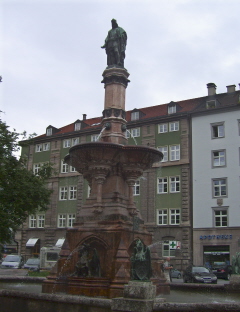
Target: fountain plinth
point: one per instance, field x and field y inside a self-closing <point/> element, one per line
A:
<point x="108" y="224"/>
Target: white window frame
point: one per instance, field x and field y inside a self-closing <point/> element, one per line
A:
<point x="66" y="143"/>
<point x="70" y="219"/>
<point x="220" y="217"/>
<point x="46" y="146"/>
<point x="164" y="150"/>
<point x="64" y="167"/>
<point x="136" y="188"/>
<point x="73" y="169"/>
<point x="38" y="148"/>
<point x="221" y="188"/>
<point x="134" y="116"/>
<point x="166" y="251"/>
<point x="162" y="185"/>
<point x="218" y="130"/>
<point x="173" y="126"/>
<point x="75" y="141"/>
<point x="175" y="216"/>
<point x="174" y="152"/>
<point x="72" y="193"/>
<point x="32" y="221"/>
<point x="218" y="160"/>
<point x="77" y="126"/>
<point x="62" y="220"/>
<point x="94" y="137"/>
<point x="41" y="221"/>
<point x="49" y="132"/>
<point x="63" y="193"/>
<point x="36" y="168"/>
<point x="135" y="132"/>
<point x="172" y="109"/>
<point x="162" y="216"/>
<point x="163" y="128"/>
<point x="174" y="184"/>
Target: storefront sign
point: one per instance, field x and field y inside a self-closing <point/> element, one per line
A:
<point x="228" y="236"/>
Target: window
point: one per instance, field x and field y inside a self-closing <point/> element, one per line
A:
<point x="41" y="221"/>
<point x="134" y="115"/>
<point x="220" y="187"/>
<point x="37" y="221"/>
<point x="174" y="216"/>
<point x="46" y="146"/>
<point x="32" y="221"/>
<point x="63" y="193"/>
<point x="136" y="188"/>
<point x="72" y="169"/>
<point x="36" y="168"/>
<point x="162" y="128"/>
<point x="70" y="220"/>
<point x="49" y="132"/>
<point x="94" y="138"/>
<point x="174" y="152"/>
<point x="172" y="109"/>
<point x="167" y="252"/>
<point x="75" y="141"/>
<point x="162" y="185"/>
<point x="135" y="132"/>
<point x="211" y="104"/>
<point x="62" y="220"/>
<point x="38" y="148"/>
<point x="77" y="126"/>
<point x="174" y="184"/>
<point x="64" y="167"/>
<point x="219" y="158"/>
<point x="164" y="150"/>
<point x="218" y="130"/>
<point x="174" y="126"/>
<point x="72" y="192"/>
<point x="66" y="220"/>
<point x="220" y="217"/>
<point x="162" y="216"/>
<point x="66" y="143"/>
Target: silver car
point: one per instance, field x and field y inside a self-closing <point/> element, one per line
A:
<point x="12" y="262"/>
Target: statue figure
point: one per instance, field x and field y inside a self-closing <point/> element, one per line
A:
<point x="115" y="45"/>
<point x="141" y="268"/>
<point x="88" y="263"/>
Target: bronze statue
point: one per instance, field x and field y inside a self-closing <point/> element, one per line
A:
<point x="115" y="45"/>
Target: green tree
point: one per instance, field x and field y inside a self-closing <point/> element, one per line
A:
<point x="21" y="192"/>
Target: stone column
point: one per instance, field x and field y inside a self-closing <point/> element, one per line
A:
<point x="115" y="81"/>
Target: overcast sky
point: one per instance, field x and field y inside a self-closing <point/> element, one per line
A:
<point x="51" y="61"/>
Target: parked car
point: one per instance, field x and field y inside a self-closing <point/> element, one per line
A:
<point x="175" y="273"/>
<point x="222" y="270"/>
<point x="198" y="274"/>
<point x="12" y="262"/>
<point x="32" y="264"/>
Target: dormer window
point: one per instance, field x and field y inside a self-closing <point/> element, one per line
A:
<point x="77" y="125"/>
<point x="135" y="115"/>
<point x="49" y="131"/>
<point x="211" y="104"/>
<point x="172" y="109"/>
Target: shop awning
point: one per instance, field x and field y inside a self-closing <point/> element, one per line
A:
<point x="60" y="242"/>
<point x="32" y="242"/>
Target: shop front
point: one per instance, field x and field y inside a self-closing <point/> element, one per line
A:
<point x="211" y="245"/>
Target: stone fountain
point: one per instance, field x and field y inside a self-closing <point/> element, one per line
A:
<point x="96" y="256"/>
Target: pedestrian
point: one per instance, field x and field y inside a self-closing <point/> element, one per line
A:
<point x="167" y="269"/>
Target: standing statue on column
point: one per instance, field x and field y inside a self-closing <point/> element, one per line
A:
<point x="115" y="45"/>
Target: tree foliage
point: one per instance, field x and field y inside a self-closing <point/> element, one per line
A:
<point x="21" y="192"/>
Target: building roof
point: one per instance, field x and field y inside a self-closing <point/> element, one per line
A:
<point x="190" y="106"/>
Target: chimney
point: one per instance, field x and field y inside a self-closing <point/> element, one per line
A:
<point x="84" y="116"/>
<point x="211" y="88"/>
<point x="231" y="88"/>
